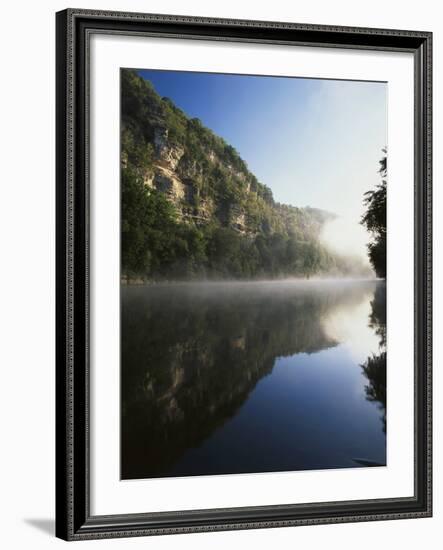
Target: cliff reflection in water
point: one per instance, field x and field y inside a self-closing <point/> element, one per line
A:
<point x="250" y="377"/>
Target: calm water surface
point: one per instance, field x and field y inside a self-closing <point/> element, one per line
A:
<point x="252" y="377"/>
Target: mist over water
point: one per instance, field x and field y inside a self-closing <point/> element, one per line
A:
<point x="237" y="377"/>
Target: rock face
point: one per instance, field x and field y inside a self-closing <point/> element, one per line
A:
<point x="181" y="179"/>
<point x="180" y="186"/>
<point x="165" y="153"/>
<point x="166" y="181"/>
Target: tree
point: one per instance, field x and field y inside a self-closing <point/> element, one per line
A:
<point x="149" y="228"/>
<point x="374" y="219"/>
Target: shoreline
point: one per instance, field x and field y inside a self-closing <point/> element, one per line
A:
<point x="124" y="282"/>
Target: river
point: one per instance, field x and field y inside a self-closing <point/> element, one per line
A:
<point x="223" y="378"/>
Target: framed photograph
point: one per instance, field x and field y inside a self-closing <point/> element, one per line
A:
<point x="243" y="274"/>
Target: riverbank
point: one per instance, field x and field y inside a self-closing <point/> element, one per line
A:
<point x="139" y="281"/>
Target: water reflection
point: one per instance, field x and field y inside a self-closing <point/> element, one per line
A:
<point x="248" y="377"/>
<point x="375" y="366"/>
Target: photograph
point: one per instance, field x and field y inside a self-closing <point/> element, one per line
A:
<point x="252" y="273"/>
<point x="243" y="321"/>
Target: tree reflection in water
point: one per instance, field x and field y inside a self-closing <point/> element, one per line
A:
<point x="375" y="366"/>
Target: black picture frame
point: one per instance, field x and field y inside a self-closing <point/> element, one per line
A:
<point x="74" y="28"/>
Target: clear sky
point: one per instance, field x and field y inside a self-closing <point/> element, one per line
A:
<point x="313" y="142"/>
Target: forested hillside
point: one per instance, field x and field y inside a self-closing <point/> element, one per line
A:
<point x="191" y="208"/>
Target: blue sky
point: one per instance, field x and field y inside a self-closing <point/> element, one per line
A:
<point x="313" y="142"/>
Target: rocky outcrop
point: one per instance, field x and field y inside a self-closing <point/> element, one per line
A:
<point x="166" y="153"/>
<point x="165" y="181"/>
<point x="179" y="180"/>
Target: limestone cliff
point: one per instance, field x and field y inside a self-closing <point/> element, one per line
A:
<point x="202" y="175"/>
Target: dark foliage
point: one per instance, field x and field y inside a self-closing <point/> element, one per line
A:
<point x="374" y="220"/>
<point x="375" y="366"/>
